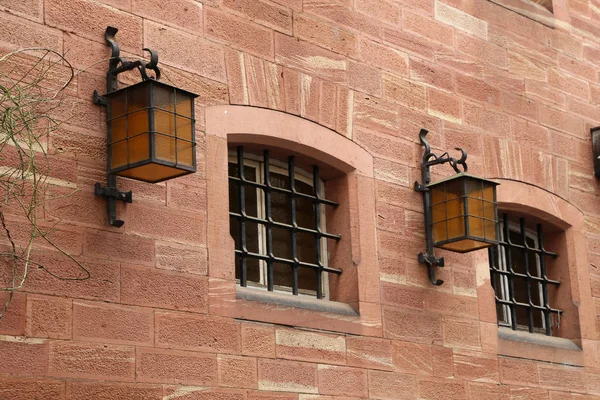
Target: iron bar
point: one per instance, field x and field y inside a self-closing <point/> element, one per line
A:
<point x="508" y="272"/>
<point x="269" y="258"/>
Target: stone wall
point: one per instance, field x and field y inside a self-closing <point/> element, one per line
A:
<point x="516" y="86"/>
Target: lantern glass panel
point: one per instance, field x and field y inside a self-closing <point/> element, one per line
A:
<point x="164" y="98"/>
<point x="438" y="194"/>
<point x="184" y="106"/>
<point x="138" y="97"/>
<point x="476" y="227"/>
<point x="139" y="148"/>
<point x="137" y="123"/>
<point x="118" y="154"/>
<point x="463" y="213"/>
<point x="440" y="231"/>
<point x="153" y="173"/>
<point x="454" y="189"/>
<point x="456" y="228"/>
<point x="183" y="128"/>
<point x="464" y="246"/>
<point x="165" y="148"/>
<point x="164" y="123"/>
<point x="151" y="135"/>
<point x="118" y="105"/>
<point x="185" y="153"/>
<point x="455" y="208"/>
<point x="118" y="127"/>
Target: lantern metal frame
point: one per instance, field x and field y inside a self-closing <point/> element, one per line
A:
<point x="116" y="66"/>
<point x="430" y="159"/>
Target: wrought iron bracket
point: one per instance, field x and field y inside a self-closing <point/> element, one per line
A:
<point x="112" y="194"/>
<point x="117" y="65"/>
<point x="429" y="160"/>
<point x="99" y="100"/>
<point x="431" y="261"/>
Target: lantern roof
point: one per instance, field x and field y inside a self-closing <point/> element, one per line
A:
<point x="463" y="175"/>
<point x="153" y="82"/>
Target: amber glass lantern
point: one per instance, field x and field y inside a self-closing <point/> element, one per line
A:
<point x="464" y="213"/>
<point x="151" y="134"/>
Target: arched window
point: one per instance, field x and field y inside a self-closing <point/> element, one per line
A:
<point x="536" y="281"/>
<point x="291" y="222"/>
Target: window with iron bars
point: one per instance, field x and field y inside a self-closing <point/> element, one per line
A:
<point x="518" y="267"/>
<point x="277" y="220"/>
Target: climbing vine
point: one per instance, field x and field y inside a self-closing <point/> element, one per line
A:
<point x="32" y="86"/>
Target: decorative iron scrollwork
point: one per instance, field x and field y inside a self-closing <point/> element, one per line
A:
<point x="430" y="159"/>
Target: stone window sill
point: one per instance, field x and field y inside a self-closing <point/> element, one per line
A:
<point x="286" y="300"/>
<point x="538" y="347"/>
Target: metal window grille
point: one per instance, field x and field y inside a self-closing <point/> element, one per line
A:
<point x="240" y="183"/>
<point x="520" y="281"/>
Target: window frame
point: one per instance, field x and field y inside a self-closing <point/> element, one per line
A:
<point x="276" y="166"/>
<point x="355" y="301"/>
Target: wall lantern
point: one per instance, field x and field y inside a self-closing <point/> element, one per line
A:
<point x="461" y="212"/>
<point x="596" y="150"/>
<point x="151" y="133"/>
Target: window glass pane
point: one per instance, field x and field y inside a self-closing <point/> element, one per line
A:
<point x="475" y="207"/>
<point x="437" y="194"/>
<point x="282" y="242"/>
<point x="456" y="228"/>
<point x="252" y="264"/>
<point x="165" y="148"/>
<point x="305" y="216"/>
<point x="164" y="123"/>
<point x="476" y="227"/>
<point x="252" y="228"/>
<point x="303" y="187"/>
<point x="307" y="279"/>
<point x="250" y="192"/>
<point x="185" y="153"/>
<point x="306" y="247"/>
<point x="282" y="275"/>
<point x="280" y="203"/>
<point x="438" y="212"/>
<point x="183" y="127"/>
